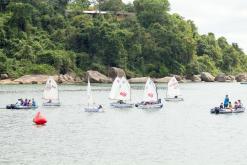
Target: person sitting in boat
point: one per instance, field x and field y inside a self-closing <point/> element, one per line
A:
<point x="120" y="102"/>
<point x="236" y="105"/>
<point x="240" y="105"/>
<point x="221" y="106"/>
<point x="29" y="103"/>
<point x="49" y="101"/>
<point x="33" y="103"/>
<point x="22" y="102"/>
<point x="226" y="101"/>
<point x="25" y="103"/>
<point x="100" y="107"/>
<point x="230" y="106"/>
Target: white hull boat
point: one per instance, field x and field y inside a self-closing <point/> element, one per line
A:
<point x="173" y="91"/>
<point x="120" y="91"/>
<point x="174" y="99"/>
<point x="121" y="105"/>
<point x="93" y="109"/>
<point x="51" y="104"/>
<point x="51" y="94"/>
<point x="149" y="106"/>
<point x="150" y="99"/>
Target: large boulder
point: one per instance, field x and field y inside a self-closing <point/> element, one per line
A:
<point x="221" y="77"/>
<point x="241" y="77"/>
<point x="163" y="80"/>
<point x="32" y="79"/>
<point x="97" y="77"/>
<point x="224" y="78"/>
<point x="4" y="76"/>
<point x="196" y="78"/>
<point x="207" y="77"/>
<point x="178" y="78"/>
<point x="138" y="80"/>
<point x="114" y="72"/>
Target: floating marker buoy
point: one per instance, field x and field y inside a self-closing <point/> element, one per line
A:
<point x="39" y="119"/>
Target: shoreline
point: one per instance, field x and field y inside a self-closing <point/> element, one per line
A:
<point x="99" y="78"/>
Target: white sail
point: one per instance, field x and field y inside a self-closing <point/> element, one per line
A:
<point x="89" y="94"/>
<point x="124" y="90"/>
<point x="115" y="88"/>
<point x="173" y="88"/>
<point x="51" y="90"/>
<point x="150" y="92"/>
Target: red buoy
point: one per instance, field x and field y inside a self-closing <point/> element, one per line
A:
<point x="39" y="119"/>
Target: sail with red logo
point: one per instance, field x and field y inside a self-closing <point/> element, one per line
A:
<point x="150" y="92"/>
<point x="150" y="99"/>
<point x="173" y="90"/>
<point x="121" y="91"/>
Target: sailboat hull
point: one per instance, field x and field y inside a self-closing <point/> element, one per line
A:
<point x="149" y="106"/>
<point x="51" y="104"/>
<point x="93" y="109"/>
<point x="123" y="105"/>
<point x="174" y="99"/>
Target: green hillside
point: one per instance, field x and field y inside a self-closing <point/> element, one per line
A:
<point x="56" y="37"/>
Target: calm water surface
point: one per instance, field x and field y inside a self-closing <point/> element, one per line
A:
<point x="182" y="133"/>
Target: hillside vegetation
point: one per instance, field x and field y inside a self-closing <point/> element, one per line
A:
<point x="55" y="37"/>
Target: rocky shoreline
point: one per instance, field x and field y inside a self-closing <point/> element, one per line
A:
<point x="97" y="77"/>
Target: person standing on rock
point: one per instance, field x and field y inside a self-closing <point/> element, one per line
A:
<point x="226" y="101"/>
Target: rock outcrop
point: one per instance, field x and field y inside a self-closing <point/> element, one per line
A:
<point x="207" y="77"/>
<point x="32" y="79"/>
<point x="97" y="77"/>
<point x="241" y="77"/>
<point x="138" y="80"/>
<point x="163" y="80"/>
<point x="4" y="76"/>
<point x="114" y="72"/>
<point x="224" y="78"/>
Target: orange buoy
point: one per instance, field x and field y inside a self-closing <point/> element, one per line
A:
<point x="39" y="119"/>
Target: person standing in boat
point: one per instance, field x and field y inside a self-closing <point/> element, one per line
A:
<point x="226" y="101"/>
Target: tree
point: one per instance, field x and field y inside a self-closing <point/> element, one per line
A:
<point x="151" y="11"/>
<point x="112" y="5"/>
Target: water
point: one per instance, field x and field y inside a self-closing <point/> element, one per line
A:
<point x="181" y="133"/>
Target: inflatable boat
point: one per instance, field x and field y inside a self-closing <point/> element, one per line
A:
<point x="218" y="110"/>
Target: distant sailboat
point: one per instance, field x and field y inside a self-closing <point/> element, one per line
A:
<point x="92" y="107"/>
<point x="120" y="91"/>
<point x="173" y="91"/>
<point x="50" y="94"/>
<point x="150" y="99"/>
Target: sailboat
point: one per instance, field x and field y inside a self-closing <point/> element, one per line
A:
<point x="92" y="107"/>
<point x="173" y="91"/>
<point x="50" y="94"/>
<point x="150" y="99"/>
<point x="120" y="91"/>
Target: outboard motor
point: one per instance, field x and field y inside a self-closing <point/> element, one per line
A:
<point x="217" y="110"/>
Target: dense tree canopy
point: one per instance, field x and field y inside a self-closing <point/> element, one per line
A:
<point x="54" y="36"/>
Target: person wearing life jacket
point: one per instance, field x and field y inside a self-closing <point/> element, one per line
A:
<point x="226" y="101"/>
<point x="33" y="103"/>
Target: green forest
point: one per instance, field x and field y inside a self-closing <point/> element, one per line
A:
<point x="143" y="38"/>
